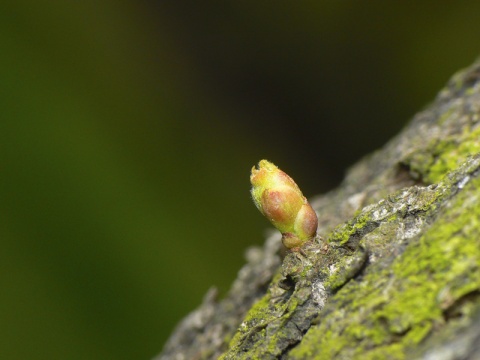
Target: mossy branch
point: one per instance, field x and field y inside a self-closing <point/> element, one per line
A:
<point x="395" y="272"/>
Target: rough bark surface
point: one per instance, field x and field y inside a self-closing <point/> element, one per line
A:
<point x="395" y="272"/>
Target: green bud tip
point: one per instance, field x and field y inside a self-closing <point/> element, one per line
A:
<point x="280" y="200"/>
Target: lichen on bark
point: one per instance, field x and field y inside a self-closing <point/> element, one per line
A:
<point x="396" y="271"/>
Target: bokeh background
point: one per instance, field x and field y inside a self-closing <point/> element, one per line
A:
<point x="128" y="130"/>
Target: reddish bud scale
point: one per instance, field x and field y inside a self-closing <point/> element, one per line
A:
<point x="279" y="198"/>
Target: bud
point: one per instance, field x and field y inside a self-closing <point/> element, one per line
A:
<point x="280" y="200"/>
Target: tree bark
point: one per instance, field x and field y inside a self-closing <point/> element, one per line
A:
<point x="395" y="272"/>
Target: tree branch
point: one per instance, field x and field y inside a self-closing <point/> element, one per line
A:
<point x="396" y="272"/>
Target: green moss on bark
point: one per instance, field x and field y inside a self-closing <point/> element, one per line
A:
<point x="395" y="308"/>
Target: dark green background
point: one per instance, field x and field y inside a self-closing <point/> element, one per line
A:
<point x="129" y="129"/>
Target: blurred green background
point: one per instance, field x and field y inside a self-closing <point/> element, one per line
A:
<point x="129" y="129"/>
